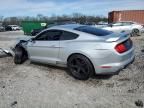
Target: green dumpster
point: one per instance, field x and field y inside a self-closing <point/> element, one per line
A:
<point x="28" y="26"/>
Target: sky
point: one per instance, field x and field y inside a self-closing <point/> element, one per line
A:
<point x="59" y="7"/>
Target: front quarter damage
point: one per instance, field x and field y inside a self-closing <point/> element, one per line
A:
<point x="19" y="42"/>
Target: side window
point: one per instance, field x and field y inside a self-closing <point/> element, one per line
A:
<point x="117" y="24"/>
<point x="68" y="36"/>
<point x="127" y="23"/>
<point x="41" y="36"/>
<point x="50" y="35"/>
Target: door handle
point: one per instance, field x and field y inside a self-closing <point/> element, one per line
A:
<point x="54" y="46"/>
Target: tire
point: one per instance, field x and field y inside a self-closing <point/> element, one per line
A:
<point x="135" y="32"/>
<point x="19" y="57"/>
<point x="80" y="67"/>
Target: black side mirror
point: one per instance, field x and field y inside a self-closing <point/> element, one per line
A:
<point x="32" y="40"/>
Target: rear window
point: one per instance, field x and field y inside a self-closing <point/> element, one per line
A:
<point x="94" y="31"/>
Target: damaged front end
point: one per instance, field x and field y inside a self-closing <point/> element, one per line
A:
<point x="11" y="51"/>
<point x="8" y="52"/>
<point x="21" y="42"/>
<point x="18" y="51"/>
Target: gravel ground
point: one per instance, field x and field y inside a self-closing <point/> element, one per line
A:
<point x="41" y="86"/>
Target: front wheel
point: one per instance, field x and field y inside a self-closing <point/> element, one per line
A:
<point x="80" y="67"/>
<point x="19" y="57"/>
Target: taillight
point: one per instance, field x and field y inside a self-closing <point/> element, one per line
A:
<point x="121" y="48"/>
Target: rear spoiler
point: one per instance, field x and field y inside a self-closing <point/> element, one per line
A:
<point x="117" y="38"/>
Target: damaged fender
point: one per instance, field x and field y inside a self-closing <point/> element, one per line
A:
<point x="8" y="52"/>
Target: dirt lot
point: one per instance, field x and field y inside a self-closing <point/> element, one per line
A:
<point x="37" y="86"/>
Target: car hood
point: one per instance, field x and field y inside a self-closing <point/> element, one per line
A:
<point x="25" y="38"/>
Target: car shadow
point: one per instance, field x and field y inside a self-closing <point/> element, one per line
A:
<point x="47" y="65"/>
<point x="103" y="76"/>
<point x="142" y="50"/>
<point x="4" y="55"/>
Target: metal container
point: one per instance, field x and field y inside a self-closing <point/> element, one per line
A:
<point x="126" y="15"/>
<point x="28" y="26"/>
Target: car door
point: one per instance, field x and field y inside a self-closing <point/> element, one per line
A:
<point x="45" y="47"/>
<point x="65" y="46"/>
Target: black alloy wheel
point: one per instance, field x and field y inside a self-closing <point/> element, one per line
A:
<point x="80" y="67"/>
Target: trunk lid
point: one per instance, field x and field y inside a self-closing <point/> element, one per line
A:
<point x="117" y="37"/>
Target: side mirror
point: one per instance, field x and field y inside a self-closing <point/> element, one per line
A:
<point x="32" y="40"/>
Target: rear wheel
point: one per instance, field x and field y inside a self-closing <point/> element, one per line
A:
<point x="80" y="67"/>
<point x="135" y="32"/>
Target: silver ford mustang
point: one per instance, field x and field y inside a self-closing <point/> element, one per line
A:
<point x="83" y="49"/>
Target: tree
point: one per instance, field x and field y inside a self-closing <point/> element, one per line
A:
<point x="75" y="17"/>
<point x="1" y="18"/>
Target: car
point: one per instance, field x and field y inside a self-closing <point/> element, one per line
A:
<point x="14" y="27"/>
<point x="8" y="28"/>
<point x="2" y="29"/>
<point x="100" y="24"/>
<point x="125" y="26"/>
<point x="84" y="50"/>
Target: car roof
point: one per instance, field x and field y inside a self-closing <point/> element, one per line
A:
<point x="67" y="26"/>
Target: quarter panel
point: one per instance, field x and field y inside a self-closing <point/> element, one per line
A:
<point x="91" y="49"/>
